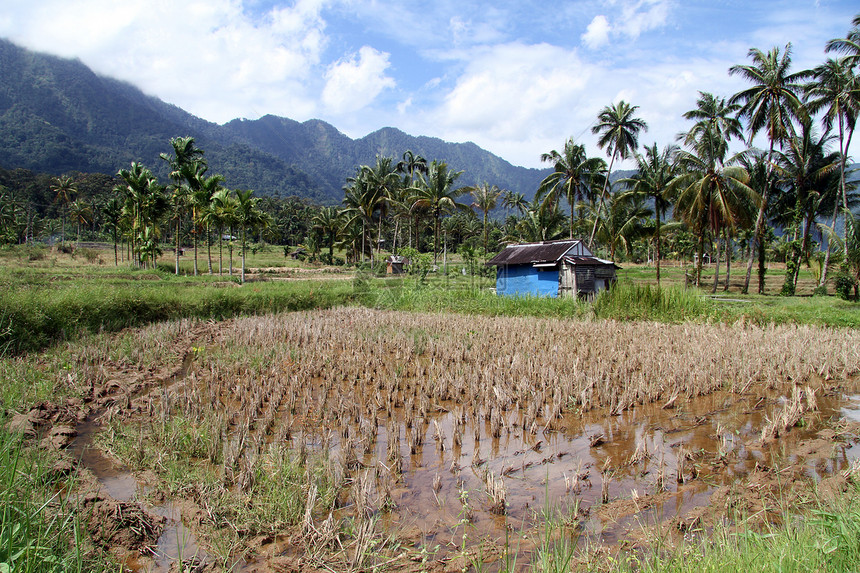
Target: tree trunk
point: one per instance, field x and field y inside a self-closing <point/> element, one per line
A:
<point x="600" y="202"/>
<point x="176" y="247"/>
<point x="716" y="261"/>
<point x="757" y="232"/>
<point x="244" y="248"/>
<point x="822" y="284"/>
<point x="728" y="261"/>
<point x="209" y="247"/>
<point x="657" y="215"/>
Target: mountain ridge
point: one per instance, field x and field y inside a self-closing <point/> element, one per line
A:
<point x="57" y="115"/>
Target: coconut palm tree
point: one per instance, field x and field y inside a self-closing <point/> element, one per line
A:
<point x="849" y="45"/>
<point x="655" y="171"/>
<point x="573" y="172"/>
<point x="623" y="222"/>
<point x="113" y="217"/>
<point x="249" y="218"/>
<point x="713" y="193"/>
<point x="771" y="104"/>
<point x="65" y="190"/>
<point x="619" y="135"/>
<point x="538" y="223"/>
<point x="436" y="193"/>
<point x="514" y="200"/>
<point x="361" y="201"/>
<point x="835" y="90"/>
<point x="806" y="170"/>
<point x="328" y="222"/>
<point x="81" y="213"/>
<point x="713" y="114"/>
<point x="485" y="197"/>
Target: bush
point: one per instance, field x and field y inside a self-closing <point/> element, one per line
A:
<point x="844" y="284"/>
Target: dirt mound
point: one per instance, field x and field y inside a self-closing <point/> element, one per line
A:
<point x="124" y="525"/>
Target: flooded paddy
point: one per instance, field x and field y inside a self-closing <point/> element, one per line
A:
<point x="367" y="433"/>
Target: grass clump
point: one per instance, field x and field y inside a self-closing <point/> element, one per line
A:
<point x="629" y="301"/>
<point x="40" y="530"/>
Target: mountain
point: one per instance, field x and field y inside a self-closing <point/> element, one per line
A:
<point x="57" y="115"/>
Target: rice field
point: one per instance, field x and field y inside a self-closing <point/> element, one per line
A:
<point x="368" y="433"/>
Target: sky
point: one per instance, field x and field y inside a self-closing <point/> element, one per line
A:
<point x="516" y="77"/>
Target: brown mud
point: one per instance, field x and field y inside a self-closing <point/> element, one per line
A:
<point x="475" y="485"/>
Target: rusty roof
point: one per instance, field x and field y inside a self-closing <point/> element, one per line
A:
<point x="532" y="253"/>
<point x="589" y="261"/>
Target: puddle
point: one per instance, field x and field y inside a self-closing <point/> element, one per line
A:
<point x="176" y="541"/>
<point x="562" y="468"/>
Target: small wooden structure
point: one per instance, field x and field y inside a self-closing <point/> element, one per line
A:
<point x="396" y="265"/>
<point x="551" y="268"/>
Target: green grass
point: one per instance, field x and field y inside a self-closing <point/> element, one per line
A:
<point x="40" y="529"/>
<point x="38" y="309"/>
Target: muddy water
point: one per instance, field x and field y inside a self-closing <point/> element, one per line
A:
<point x="560" y="468"/>
<point x="176" y="541"/>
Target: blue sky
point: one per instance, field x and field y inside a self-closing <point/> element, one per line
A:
<point x="516" y="77"/>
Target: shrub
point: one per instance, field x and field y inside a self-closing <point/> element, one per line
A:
<point x="844" y="284"/>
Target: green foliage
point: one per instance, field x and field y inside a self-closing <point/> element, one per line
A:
<point x="628" y="301"/>
<point x="844" y="285"/>
<point x="38" y="527"/>
<point x="37" y="313"/>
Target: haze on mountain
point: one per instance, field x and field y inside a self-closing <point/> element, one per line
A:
<point x="57" y="115"/>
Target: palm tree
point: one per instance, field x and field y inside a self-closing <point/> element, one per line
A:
<point x="222" y="214"/>
<point x="539" y="223"/>
<point x="806" y="170"/>
<point x="436" y="192"/>
<point x="619" y="134"/>
<point x="178" y="204"/>
<point x="654" y="174"/>
<point x="81" y="213"/>
<point x="714" y="115"/>
<point x="771" y="104"/>
<point x="328" y="222"/>
<point x="65" y="189"/>
<point x="835" y="89"/>
<point x="249" y="218"/>
<point x="712" y="192"/>
<point x="485" y="198"/>
<point x="113" y="217"/>
<point x="382" y="182"/>
<point x="411" y="164"/>
<point x="185" y="164"/>
<point x="849" y="45"/>
<point x="572" y="174"/>
<point x="623" y="222"/>
<point x="514" y="200"/>
<point x="145" y="204"/>
<point x="201" y="202"/>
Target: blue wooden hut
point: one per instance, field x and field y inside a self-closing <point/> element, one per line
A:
<point x="551" y="268"/>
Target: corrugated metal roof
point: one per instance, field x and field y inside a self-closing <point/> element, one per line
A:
<point x="530" y="253"/>
<point x="589" y="261"/>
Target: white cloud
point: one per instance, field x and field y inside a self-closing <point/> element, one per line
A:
<point x="209" y="57"/>
<point x="642" y="16"/>
<point x="354" y="83"/>
<point x="597" y="33"/>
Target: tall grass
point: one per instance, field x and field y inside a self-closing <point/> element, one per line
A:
<point x="626" y="301"/>
<point x="40" y="530"/>
<point x="34" y="315"/>
<point x="629" y="301"/>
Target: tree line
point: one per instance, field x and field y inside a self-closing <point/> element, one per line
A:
<point x="691" y="198"/>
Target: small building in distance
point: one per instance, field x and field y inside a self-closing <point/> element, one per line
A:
<point x="551" y="268"/>
<point x="396" y="265"/>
